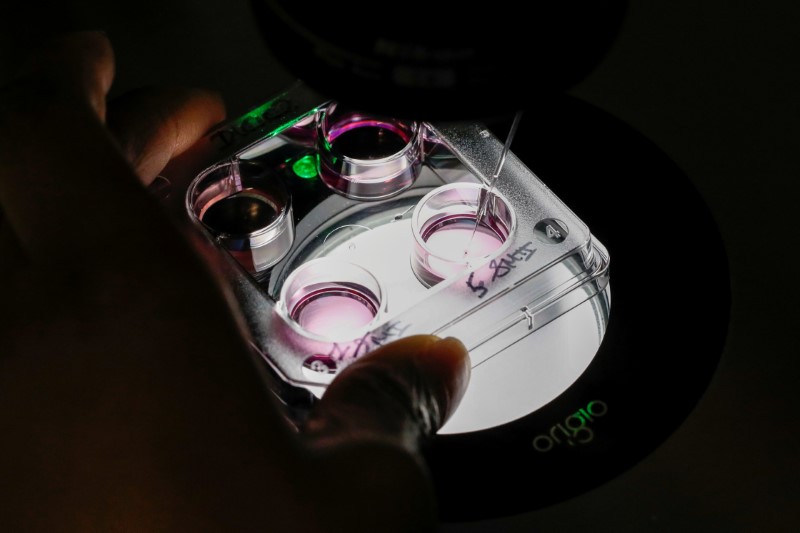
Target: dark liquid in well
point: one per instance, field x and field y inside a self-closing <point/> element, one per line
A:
<point x="368" y="142"/>
<point x="240" y="214"/>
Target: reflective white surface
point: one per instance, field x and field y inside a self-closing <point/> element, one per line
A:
<point x="531" y="373"/>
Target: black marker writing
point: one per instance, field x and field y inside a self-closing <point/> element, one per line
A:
<point x="479" y="288"/>
<point x="501" y="267"/>
<point x="367" y="343"/>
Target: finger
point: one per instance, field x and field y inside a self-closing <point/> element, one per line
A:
<point x="154" y="125"/>
<point x="66" y="190"/>
<point x="399" y="394"/>
<point x="79" y="65"/>
<point x="368" y="426"/>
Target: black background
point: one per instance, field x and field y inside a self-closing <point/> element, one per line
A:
<point x="714" y="84"/>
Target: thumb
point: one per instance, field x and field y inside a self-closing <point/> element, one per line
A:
<point x="400" y="393"/>
<point x="365" y="434"/>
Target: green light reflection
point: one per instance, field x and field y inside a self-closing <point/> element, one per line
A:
<point x="305" y="167"/>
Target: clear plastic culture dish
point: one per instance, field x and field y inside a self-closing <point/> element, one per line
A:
<point x="344" y="231"/>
